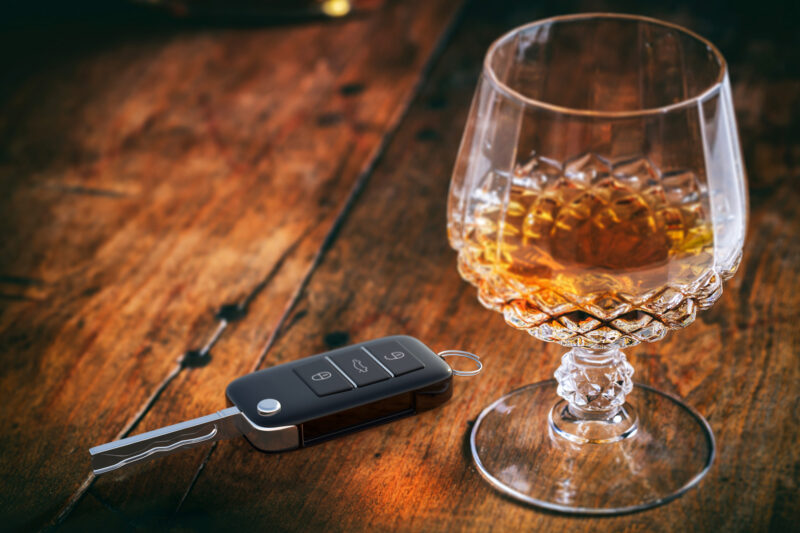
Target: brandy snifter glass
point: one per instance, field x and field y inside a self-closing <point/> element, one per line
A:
<point x="598" y="201"/>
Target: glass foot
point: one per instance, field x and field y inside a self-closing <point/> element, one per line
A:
<point x="528" y="446"/>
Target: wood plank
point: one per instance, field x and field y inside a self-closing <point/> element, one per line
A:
<point x="150" y="181"/>
<point x="391" y="271"/>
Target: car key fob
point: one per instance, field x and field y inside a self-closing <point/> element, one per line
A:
<point x="304" y="402"/>
<point x="330" y="394"/>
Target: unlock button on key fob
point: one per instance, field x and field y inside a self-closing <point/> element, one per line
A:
<point x="322" y="377"/>
<point x="395" y="357"/>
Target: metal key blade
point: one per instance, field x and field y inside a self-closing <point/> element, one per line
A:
<point x="159" y="442"/>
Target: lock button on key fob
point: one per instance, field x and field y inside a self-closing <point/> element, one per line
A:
<point x="322" y="377"/>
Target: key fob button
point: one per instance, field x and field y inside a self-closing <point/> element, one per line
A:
<point x="360" y="367"/>
<point x="395" y="357"/>
<point x="322" y="377"/>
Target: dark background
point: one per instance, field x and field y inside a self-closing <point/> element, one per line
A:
<point x="760" y="39"/>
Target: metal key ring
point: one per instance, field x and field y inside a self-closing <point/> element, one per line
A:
<point x="468" y="355"/>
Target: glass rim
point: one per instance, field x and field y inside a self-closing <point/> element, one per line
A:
<point x="488" y="71"/>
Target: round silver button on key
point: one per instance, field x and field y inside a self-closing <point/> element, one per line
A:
<point x="268" y="407"/>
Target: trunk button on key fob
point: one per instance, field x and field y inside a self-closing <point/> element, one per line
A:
<point x="322" y="377"/>
<point x="360" y="367"/>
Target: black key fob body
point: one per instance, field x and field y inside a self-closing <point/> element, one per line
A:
<point x="324" y="396"/>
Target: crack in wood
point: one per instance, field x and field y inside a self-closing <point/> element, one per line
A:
<point x="231" y="312"/>
<point x="20" y="280"/>
<point x="80" y="189"/>
<point x="19" y="297"/>
<point x="71" y="503"/>
<point x="107" y="505"/>
<point x="195" y="477"/>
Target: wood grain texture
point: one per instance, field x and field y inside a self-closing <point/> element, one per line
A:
<point x="150" y="183"/>
<point x="126" y="244"/>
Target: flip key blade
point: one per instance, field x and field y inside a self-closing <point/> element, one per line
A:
<point x="223" y="424"/>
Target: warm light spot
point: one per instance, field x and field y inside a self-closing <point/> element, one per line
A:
<point x="336" y="8"/>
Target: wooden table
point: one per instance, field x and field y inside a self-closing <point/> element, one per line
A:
<point x="291" y="179"/>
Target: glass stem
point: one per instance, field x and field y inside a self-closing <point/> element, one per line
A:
<point x="594" y="382"/>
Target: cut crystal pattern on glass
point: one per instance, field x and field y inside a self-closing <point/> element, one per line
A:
<point x="682" y="315"/>
<point x="666" y="299"/>
<point x="708" y="291"/>
<point x="587" y="168"/>
<point x="552" y="303"/>
<point x="579" y="322"/>
<point x="603" y="336"/>
<point x="592" y="383"/>
<point x="652" y="332"/>
<point x="536" y="174"/>
<point x="637" y="173"/>
<point x="680" y="187"/>
<point x="632" y="321"/>
<point x="524" y="314"/>
<point x="640" y="239"/>
<point x="607" y="307"/>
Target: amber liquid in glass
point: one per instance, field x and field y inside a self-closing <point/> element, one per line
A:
<point x="594" y="258"/>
